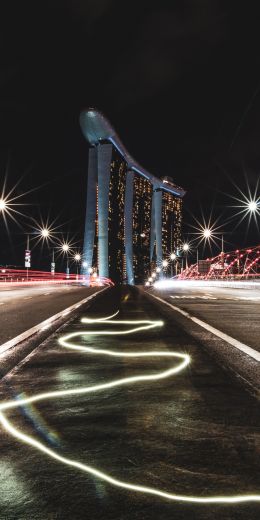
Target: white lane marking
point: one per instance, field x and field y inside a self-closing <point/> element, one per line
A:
<point x="232" y="341"/>
<point x="42" y="326"/>
<point x="65" y="341"/>
<point x="177" y="297"/>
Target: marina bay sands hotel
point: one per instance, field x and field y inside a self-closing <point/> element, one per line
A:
<point x="133" y="219"/>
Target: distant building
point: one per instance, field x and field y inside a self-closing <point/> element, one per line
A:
<point x="133" y="218"/>
<point x="142" y="206"/>
<point x="171" y="222"/>
<point x="116" y="217"/>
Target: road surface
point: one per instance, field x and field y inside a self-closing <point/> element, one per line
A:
<point x="24" y="307"/>
<point x="195" y="433"/>
<point x="235" y="311"/>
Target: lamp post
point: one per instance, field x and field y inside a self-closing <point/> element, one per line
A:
<point x="45" y="234"/>
<point x="165" y="265"/>
<point x="173" y="258"/>
<point x="186" y="248"/>
<point x="65" y="249"/>
<point x="77" y="259"/>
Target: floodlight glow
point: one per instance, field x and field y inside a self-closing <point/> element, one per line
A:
<point x="77" y="257"/>
<point x="84" y="264"/>
<point x="45" y="232"/>
<point x="9" y="203"/>
<point x="65" y="247"/>
<point x="252" y="206"/>
<point x="173" y="256"/>
<point x="66" y="341"/>
<point x="186" y="247"/>
<point x="3" y="204"/>
<point x="154" y="275"/>
<point x="207" y="233"/>
<point x="164" y="263"/>
<point x="90" y="270"/>
<point x="247" y="204"/>
<point x="150" y="279"/>
<point x="158" y="269"/>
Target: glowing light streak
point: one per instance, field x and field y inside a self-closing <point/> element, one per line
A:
<point x="66" y="342"/>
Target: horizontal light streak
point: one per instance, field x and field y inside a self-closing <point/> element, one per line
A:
<point x="171" y="284"/>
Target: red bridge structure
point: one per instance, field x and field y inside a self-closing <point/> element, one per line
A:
<point x="241" y="264"/>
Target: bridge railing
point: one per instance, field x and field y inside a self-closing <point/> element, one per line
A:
<point x="241" y="264"/>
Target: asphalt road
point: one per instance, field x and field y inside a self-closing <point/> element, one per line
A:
<point x="232" y="312"/>
<point x="236" y="312"/>
<point x="24" y="307"/>
<point x="195" y="433"/>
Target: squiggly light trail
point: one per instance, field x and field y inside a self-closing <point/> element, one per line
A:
<point x="65" y="341"/>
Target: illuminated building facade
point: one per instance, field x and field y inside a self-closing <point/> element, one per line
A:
<point x="171" y="223"/>
<point x="132" y="217"/>
<point x="142" y="204"/>
<point x="116" y="218"/>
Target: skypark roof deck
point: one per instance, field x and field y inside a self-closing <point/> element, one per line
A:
<point x="96" y="128"/>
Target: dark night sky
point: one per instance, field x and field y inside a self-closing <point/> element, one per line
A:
<point x="179" y="80"/>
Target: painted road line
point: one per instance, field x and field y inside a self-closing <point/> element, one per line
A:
<point x="193" y="297"/>
<point x="45" y="324"/>
<point x="232" y="341"/>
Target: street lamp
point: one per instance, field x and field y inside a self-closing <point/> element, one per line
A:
<point x="164" y="263"/>
<point x="186" y="248"/>
<point x="207" y="233"/>
<point x="77" y="258"/>
<point x="45" y="233"/>
<point x="154" y="275"/>
<point x="158" y="269"/>
<point x="65" y="248"/>
<point x="173" y="257"/>
<point x="150" y="279"/>
<point x="3" y="205"/>
<point x="252" y="206"/>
